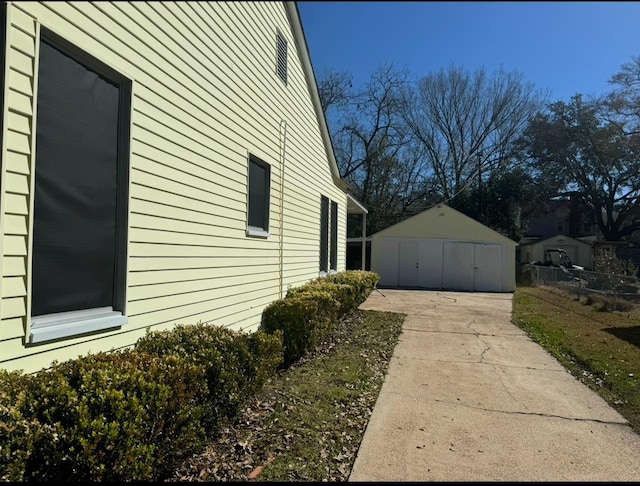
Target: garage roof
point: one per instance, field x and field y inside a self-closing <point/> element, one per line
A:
<point x="443" y="221"/>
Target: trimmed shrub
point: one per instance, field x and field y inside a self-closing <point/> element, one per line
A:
<point x="327" y="296"/>
<point x="307" y="313"/>
<point x="267" y="351"/>
<point x="300" y="322"/>
<point x="349" y="288"/>
<point x="364" y="283"/>
<point x="118" y="416"/>
<point x="20" y="434"/>
<point x="236" y="364"/>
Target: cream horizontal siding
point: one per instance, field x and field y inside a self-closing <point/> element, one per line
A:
<point x="240" y="316"/>
<point x="13" y="266"/>
<point x="10" y="329"/>
<point x="16" y="163"/>
<point x="219" y="297"/>
<point x="146" y="263"/>
<point x="146" y="278"/>
<point x="149" y="186"/>
<point x="21" y="63"/>
<point x="16" y="181"/>
<point x="205" y="96"/>
<point x="14" y="245"/>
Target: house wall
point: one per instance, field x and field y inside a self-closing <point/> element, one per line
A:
<point x="560" y="217"/>
<point x="205" y="95"/>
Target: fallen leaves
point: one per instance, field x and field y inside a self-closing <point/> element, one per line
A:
<point x="280" y="423"/>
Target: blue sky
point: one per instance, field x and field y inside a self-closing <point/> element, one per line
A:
<point x="565" y="47"/>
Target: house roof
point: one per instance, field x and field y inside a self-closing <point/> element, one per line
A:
<point x="354" y="206"/>
<point x="303" y="51"/>
<point x="443" y="221"/>
<point x="557" y="235"/>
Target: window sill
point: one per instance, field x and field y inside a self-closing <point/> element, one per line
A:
<point x="73" y="323"/>
<point x="257" y="232"/>
<point x="324" y="273"/>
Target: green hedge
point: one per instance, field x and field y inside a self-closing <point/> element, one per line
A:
<point x="105" y="417"/>
<point x="309" y="311"/>
<point x="236" y="364"/>
<point x="135" y="415"/>
<point x="363" y="283"/>
<point x="297" y="319"/>
<point x="20" y="433"/>
<point x="131" y="415"/>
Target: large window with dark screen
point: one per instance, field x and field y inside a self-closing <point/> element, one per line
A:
<point x="81" y="182"/>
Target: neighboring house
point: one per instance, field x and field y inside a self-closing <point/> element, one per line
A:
<point x="441" y="248"/>
<point x="559" y="216"/>
<point x="162" y="163"/>
<point x="560" y="223"/>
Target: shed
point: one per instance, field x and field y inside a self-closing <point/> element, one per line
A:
<point x="579" y="251"/>
<point x="441" y="248"/>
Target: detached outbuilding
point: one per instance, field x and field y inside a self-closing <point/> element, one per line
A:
<point x="441" y="248"/>
<point x="580" y="252"/>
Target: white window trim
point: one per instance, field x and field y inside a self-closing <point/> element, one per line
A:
<point x="72" y="323"/>
<point x="257" y="232"/>
<point x="75" y="323"/>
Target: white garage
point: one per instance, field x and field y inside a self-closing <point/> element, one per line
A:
<point x="441" y="248"/>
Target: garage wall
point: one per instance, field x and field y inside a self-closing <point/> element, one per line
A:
<point x="443" y="222"/>
<point x="441" y="248"/>
<point x="443" y="264"/>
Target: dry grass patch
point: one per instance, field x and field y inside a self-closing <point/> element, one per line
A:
<point x="308" y="421"/>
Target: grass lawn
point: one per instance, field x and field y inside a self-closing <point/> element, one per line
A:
<point x="598" y="346"/>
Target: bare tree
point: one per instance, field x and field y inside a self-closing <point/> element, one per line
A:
<point x="334" y="88"/>
<point x="468" y="124"/>
<point x="373" y="147"/>
<point x="405" y="146"/>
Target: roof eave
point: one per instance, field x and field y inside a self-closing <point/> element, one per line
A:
<point x="305" y="59"/>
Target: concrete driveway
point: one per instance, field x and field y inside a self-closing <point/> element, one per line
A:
<point x="469" y="397"/>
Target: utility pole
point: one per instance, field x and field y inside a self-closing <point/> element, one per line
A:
<point x="480" y="213"/>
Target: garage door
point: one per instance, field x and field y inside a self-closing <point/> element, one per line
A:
<point x="458" y="266"/>
<point x="441" y="264"/>
<point x="408" y="263"/>
<point x="430" y="264"/>
<point x="472" y="266"/>
<point x="488" y="268"/>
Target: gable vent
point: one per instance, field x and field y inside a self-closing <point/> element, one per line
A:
<point x="281" y="54"/>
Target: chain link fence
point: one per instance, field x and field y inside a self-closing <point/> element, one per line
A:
<point x="583" y="282"/>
